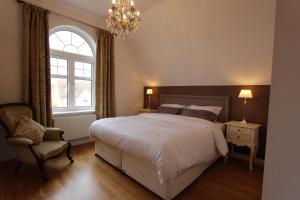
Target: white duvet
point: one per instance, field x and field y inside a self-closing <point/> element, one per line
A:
<point x="173" y="143"/>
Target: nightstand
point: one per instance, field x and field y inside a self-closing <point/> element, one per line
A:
<point x="242" y="134"/>
<point x="146" y="110"/>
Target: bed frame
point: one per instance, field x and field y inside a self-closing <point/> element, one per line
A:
<point x="144" y="172"/>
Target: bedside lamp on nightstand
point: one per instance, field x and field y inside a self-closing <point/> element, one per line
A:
<point x="149" y="92"/>
<point x="246" y="94"/>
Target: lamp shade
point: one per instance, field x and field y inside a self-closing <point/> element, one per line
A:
<point x="247" y="94"/>
<point x="149" y="91"/>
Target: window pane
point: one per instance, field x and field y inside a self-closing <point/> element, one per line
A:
<point x="83" y="69"/>
<point x="87" y="70"/>
<point x="87" y="74"/>
<point x="78" y="65"/>
<point x="83" y="93"/>
<point x="53" y="70"/>
<point x="62" y="71"/>
<point x="64" y="36"/>
<point x="62" y="62"/>
<point x="59" y="92"/>
<point x="87" y="67"/>
<point x="78" y="73"/>
<point x="78" y="69"/>
<point x="77" y="40"/>
<point x="53" y="62"/>
<point x="55" y="43"/>
<point x="62" y="67"/>
<point x="85" y="50"/>
<point x="71" y="49"/>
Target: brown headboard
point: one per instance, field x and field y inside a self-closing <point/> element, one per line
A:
<point x="199" y="101"/>
<point x="257" y="108"/>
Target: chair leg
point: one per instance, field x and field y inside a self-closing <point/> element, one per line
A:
<point x="17" y="167"/>
<point x="69" y="156"/>
<point x="41" y="166"/>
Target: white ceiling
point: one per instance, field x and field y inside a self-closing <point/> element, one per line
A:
<point x="100" y="7"/>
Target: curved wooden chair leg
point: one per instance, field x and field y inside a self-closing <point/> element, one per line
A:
<point x="17" y="167"/>
<point x="69" y="155"/>
<point x="41" y="166"/>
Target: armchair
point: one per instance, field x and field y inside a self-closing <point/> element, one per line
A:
<point x="53" y="144"/>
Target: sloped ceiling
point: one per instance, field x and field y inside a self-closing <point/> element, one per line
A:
<point x="100" y="7"/>
<point x="205" y="42"/>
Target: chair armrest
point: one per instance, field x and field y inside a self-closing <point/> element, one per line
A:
<point x="19" y="141"/>
<point x="54" y="134"/>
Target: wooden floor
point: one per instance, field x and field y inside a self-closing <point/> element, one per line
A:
<point x="92" y="178"/>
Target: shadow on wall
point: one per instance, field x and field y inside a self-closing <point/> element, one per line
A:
<point x="6" y="152"/>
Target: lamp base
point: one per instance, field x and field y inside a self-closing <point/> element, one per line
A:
<point x="244" y="121"/>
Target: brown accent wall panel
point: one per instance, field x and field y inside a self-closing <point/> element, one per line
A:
<point x="257" y="108"/>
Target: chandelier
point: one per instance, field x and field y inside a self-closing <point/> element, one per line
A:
<point x="123" y="19"/>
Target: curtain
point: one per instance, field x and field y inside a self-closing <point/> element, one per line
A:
<point x="105" y="86"/>
<point x="36" y="63"/>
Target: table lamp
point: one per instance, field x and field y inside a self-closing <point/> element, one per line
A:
<point x="149" y="92"/>
<point x="246" y="94"/>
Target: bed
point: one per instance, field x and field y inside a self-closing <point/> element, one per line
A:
<point x="163" y="152"/>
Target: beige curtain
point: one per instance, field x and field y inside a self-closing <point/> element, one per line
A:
<point x="36" y="63"/>
<point x="105" y="86"/>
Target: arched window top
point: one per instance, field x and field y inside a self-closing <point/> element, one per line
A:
<point x="69" y="40"/>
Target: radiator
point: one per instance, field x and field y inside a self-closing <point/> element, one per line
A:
<point x="75" y="127"/>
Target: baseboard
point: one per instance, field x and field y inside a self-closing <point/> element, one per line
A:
<point x="80" y="141"/>
<point x="246" y="158"/>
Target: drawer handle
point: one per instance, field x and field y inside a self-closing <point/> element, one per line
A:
<point x="238" y="137"/>
<point x="239" y="130"/>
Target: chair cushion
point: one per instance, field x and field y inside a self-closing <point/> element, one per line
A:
<point x="50" y="148"/>
<point x="11" y="115"/>
<point x="30" y="129"/>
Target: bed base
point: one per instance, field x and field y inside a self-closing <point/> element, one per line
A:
<point x="109" y="154"/>
<point x="145" y="173"/>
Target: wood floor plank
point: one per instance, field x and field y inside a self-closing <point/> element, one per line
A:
<point x="90" y="178"/>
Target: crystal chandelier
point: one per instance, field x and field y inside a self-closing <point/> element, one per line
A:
<point x="123" y="19"/>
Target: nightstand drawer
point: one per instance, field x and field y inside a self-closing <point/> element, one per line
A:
<point x="241" y="134"/>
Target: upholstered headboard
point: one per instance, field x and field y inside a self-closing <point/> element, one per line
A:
<point x="200" y="101"/>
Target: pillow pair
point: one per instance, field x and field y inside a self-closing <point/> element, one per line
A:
<point x="210" y="113"/>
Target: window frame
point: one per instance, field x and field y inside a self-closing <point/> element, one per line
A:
<point x="71" y="59"/>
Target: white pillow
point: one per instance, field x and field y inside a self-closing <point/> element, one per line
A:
<point x="173" y="105"/>
<point x="214" y="109"/>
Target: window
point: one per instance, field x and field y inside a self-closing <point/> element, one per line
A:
<point x="72" y="70"/>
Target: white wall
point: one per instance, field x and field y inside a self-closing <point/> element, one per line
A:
<point x="281" y="174"/>
<point x="10" y="61"/>
<point x="10" y="51"/>
<point x="129" y="87"/>
<point x="205" y="42"/>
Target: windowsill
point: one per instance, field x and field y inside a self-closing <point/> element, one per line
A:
<point x="73" y="113"/>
